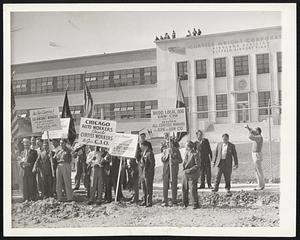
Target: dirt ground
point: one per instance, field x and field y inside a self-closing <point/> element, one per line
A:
<point x="248" y="209"/>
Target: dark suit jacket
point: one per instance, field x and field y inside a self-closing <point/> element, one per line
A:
<point x="231" y="155"/>
<point x="31" y="158"/>
<point x="204" y="151"/>
<point x="148" y="164"/>
<point x="191" y="165"/>
<point x="175" y="159"/>
<point x="138" y="154"/>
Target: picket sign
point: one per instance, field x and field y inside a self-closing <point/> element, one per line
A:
<point x="45" y="119"/>
<point x="169" y="120"/>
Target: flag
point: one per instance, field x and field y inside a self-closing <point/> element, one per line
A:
<point x="14" y="118"/>
<point x="88" y="106"/>
<point x="66" y="113"/>
<point x="180" y="104"/>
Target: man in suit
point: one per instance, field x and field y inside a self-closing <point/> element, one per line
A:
<point x="165" y="143"/>
<point x="225" y="154"/>
<point x="148" y="165"/>
<point x="28" y="158"/>
<point x="170" y="155"/>
<point x="191" y="167"/>
<point x="202" y="147"/>
<point x="139" y="154"/>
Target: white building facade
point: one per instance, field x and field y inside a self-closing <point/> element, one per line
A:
<point x="226" y="78"/>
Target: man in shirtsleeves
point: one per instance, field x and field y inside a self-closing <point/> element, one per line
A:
<point x="43" y="164"/>
<point x="257" y="157"/>
<point x="64" y="171"/>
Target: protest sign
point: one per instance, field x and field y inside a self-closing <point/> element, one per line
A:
<point x="45" y="119"/>
<point x="96" y="132"/>
<point x="124" y="145"/>
<point x="168" y="120"/>
<point x="62" y="133"/>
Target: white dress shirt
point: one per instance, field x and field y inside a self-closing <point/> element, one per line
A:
<point x="224" y="150"/>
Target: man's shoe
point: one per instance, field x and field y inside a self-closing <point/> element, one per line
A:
<point x="98" y="203"/>
<point x="76" y="188"/>
<point x="149" y="205"/>
<point x="259" y="189"/>
<point x="173" y="204"/>
<point x="195" y="206"/>
<point x="143" y="204"/>
<point x="210" y="187"/>
<point x="90" y="202"/>
<point x="201" y="187"/>
<point x="214" y="190"/>
<point x="165" y="205"/>
<point x="228" y="194"/>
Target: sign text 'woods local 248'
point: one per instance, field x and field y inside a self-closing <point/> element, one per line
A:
<point x="96" y="132"/>
<point x="168" y="120"/>
<point x="45" y="119"/>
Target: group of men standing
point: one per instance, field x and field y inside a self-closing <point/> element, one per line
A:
<point x="47" y="169"/>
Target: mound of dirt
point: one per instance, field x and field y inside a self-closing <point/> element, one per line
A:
<point x="51" y="210"/>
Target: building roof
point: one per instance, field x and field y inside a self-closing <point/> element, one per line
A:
<point x="98" y="59"/>
<point x="216" y="34"/>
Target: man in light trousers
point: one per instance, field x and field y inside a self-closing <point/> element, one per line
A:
<point x="256" y="137"/>
<point x="63" y="171"/>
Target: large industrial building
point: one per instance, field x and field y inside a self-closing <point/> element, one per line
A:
<point x="226" y="78"/>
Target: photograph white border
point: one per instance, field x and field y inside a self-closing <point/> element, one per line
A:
<point x="288" y="126"/>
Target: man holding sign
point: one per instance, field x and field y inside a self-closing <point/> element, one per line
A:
<point x="170" y="155"/>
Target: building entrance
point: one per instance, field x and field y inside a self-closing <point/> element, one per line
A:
<point x="242" y="103"/>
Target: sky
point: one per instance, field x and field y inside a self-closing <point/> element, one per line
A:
<point x="38" y="36"/>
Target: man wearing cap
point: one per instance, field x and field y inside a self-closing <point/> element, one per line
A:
<point x="27" y="160"/>
<point x="202" y="147"/>
<point x="256" y="137"/>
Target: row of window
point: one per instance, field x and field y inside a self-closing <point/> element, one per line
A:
<point x="111" y="111"/>
<point x="241" y="66"/>
<point x="111" y="79"/>
<point x="221" y="104"/>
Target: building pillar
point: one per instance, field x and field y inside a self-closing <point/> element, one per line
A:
<point x="274" y="88"/>
<point x="230" y="86"/>
<point x="192" y="98"/>
<point x="211" y="91"/>
<point x="253" y="89"/>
